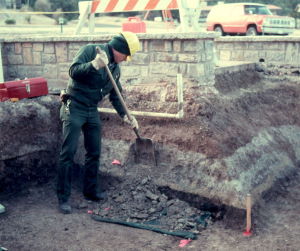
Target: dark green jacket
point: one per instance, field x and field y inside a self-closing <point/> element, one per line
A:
<point x="88" y="85"/>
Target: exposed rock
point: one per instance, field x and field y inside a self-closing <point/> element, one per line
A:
<point x="151" y="196"/>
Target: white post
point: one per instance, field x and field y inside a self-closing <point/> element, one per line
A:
<point x="180" y="95"/>
<point x="1" y="66"/>
<point x="248" y="216"/>
<point x="84" y="10"/>
<point x="92" y="23"/>
<point x="189" y="12"/>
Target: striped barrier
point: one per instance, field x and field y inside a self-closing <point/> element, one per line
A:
<point x="87" y="9"/>
<point x="132" y="5"/>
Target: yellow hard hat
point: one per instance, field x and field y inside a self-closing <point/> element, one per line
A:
<point x="132" y="41"/>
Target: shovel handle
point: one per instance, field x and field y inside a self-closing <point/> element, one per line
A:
<point x="112" y="80"/>
<point x="136" y="132"/>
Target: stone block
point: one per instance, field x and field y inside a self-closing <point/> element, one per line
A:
<point x="273" y="46"/>
<point x="224" y="45"/>
<point x="71" y="55"/>
<point x="193" y="45"/>
<point x="4" y="71"/>
<point x="64" y="66"/>
<point x="38" y="47"/>
<point x="164" y="69"/>
<point x="275" y="56"/>
<point x="239" y="46"/>
<point x="27" y="45"/>
<point x="23" y="71"/>
<point x="168" y="46"/>
<point x="61" y="52"/>
<point x="34" y="71"/>
<point x="63" y="71"/>
<point x="18" y="48"/>
<point x="76" y="46"/>
<point x="130" y="71"/>
<point x="48" y="58"/>
<point x="49" y="48"/>
<point x="37" y="59"/>
<point x="30" y="71"/>
<point x="145" y="46"/>
<point x="210" y="71"/>
<point x="4" y="59"/>
<point x="140" y="58"/>
<point x="57" y="83"/>
<point x="262" y="54"/>
<point x="208" y="55"/>
<point x="177" y="46"/>
<point x="157" y="45"/>
<point x="255" y="45"/>
<point x="50" y="71"/>
<point x="195" y="70"/>
<point x="189" y="58"/>
<point x="165" y="57"/>
<point x="292" y="53"/>
<point x="237" y="55"/>
<point x="27" y="55"/>
<point x="62" y="75"/>
<point x="11" y="72"/>
<point x="14" y="59"/>
<point x="225" y="55"/>
<point x="209" y="45"/>
<point x="8" y="49"/>
<point x="141" y="46"/>
<point x="251" y="55"/>
<point x="144" y="71"/>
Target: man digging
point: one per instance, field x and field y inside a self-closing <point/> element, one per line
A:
<point x="89" y="83"/>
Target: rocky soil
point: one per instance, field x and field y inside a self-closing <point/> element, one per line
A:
<point x="217" y="128"/>
<point x="32" y="221"/>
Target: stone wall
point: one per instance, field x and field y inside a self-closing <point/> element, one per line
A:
<point x="273" y="49"/>
<point x="162" y="56"/>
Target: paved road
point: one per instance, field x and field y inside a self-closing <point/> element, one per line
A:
<point x="69" y="29"/>
<point x="111" y="27"/>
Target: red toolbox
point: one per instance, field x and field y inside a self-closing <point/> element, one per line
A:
<point x="27" y="88"/>
<point x="135" y="25"/>
<point x="3" y="93"/>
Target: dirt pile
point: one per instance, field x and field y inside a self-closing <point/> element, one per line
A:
<point x="141" y="201"/>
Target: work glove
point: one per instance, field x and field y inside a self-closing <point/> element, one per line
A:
<point x="100" y="60"/>
<point x="63" y="95"/>
<point x="133" y="123"/>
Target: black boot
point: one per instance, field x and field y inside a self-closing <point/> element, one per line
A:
<point x="64" y="207"/>
<point x="96" y="197"/>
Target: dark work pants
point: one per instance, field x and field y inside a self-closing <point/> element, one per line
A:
<point x="77" y="118"/>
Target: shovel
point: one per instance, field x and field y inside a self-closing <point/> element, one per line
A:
<point x="143" y="147"/>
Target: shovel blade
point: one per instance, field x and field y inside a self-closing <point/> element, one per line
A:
<point x="144" y="151"/>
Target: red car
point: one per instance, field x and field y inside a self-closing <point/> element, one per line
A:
<point x="247" y="18"/>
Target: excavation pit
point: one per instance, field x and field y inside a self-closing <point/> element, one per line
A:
<point x="241" y="138"/>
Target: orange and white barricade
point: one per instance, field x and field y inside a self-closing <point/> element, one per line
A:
<point x="87" y="9"/>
